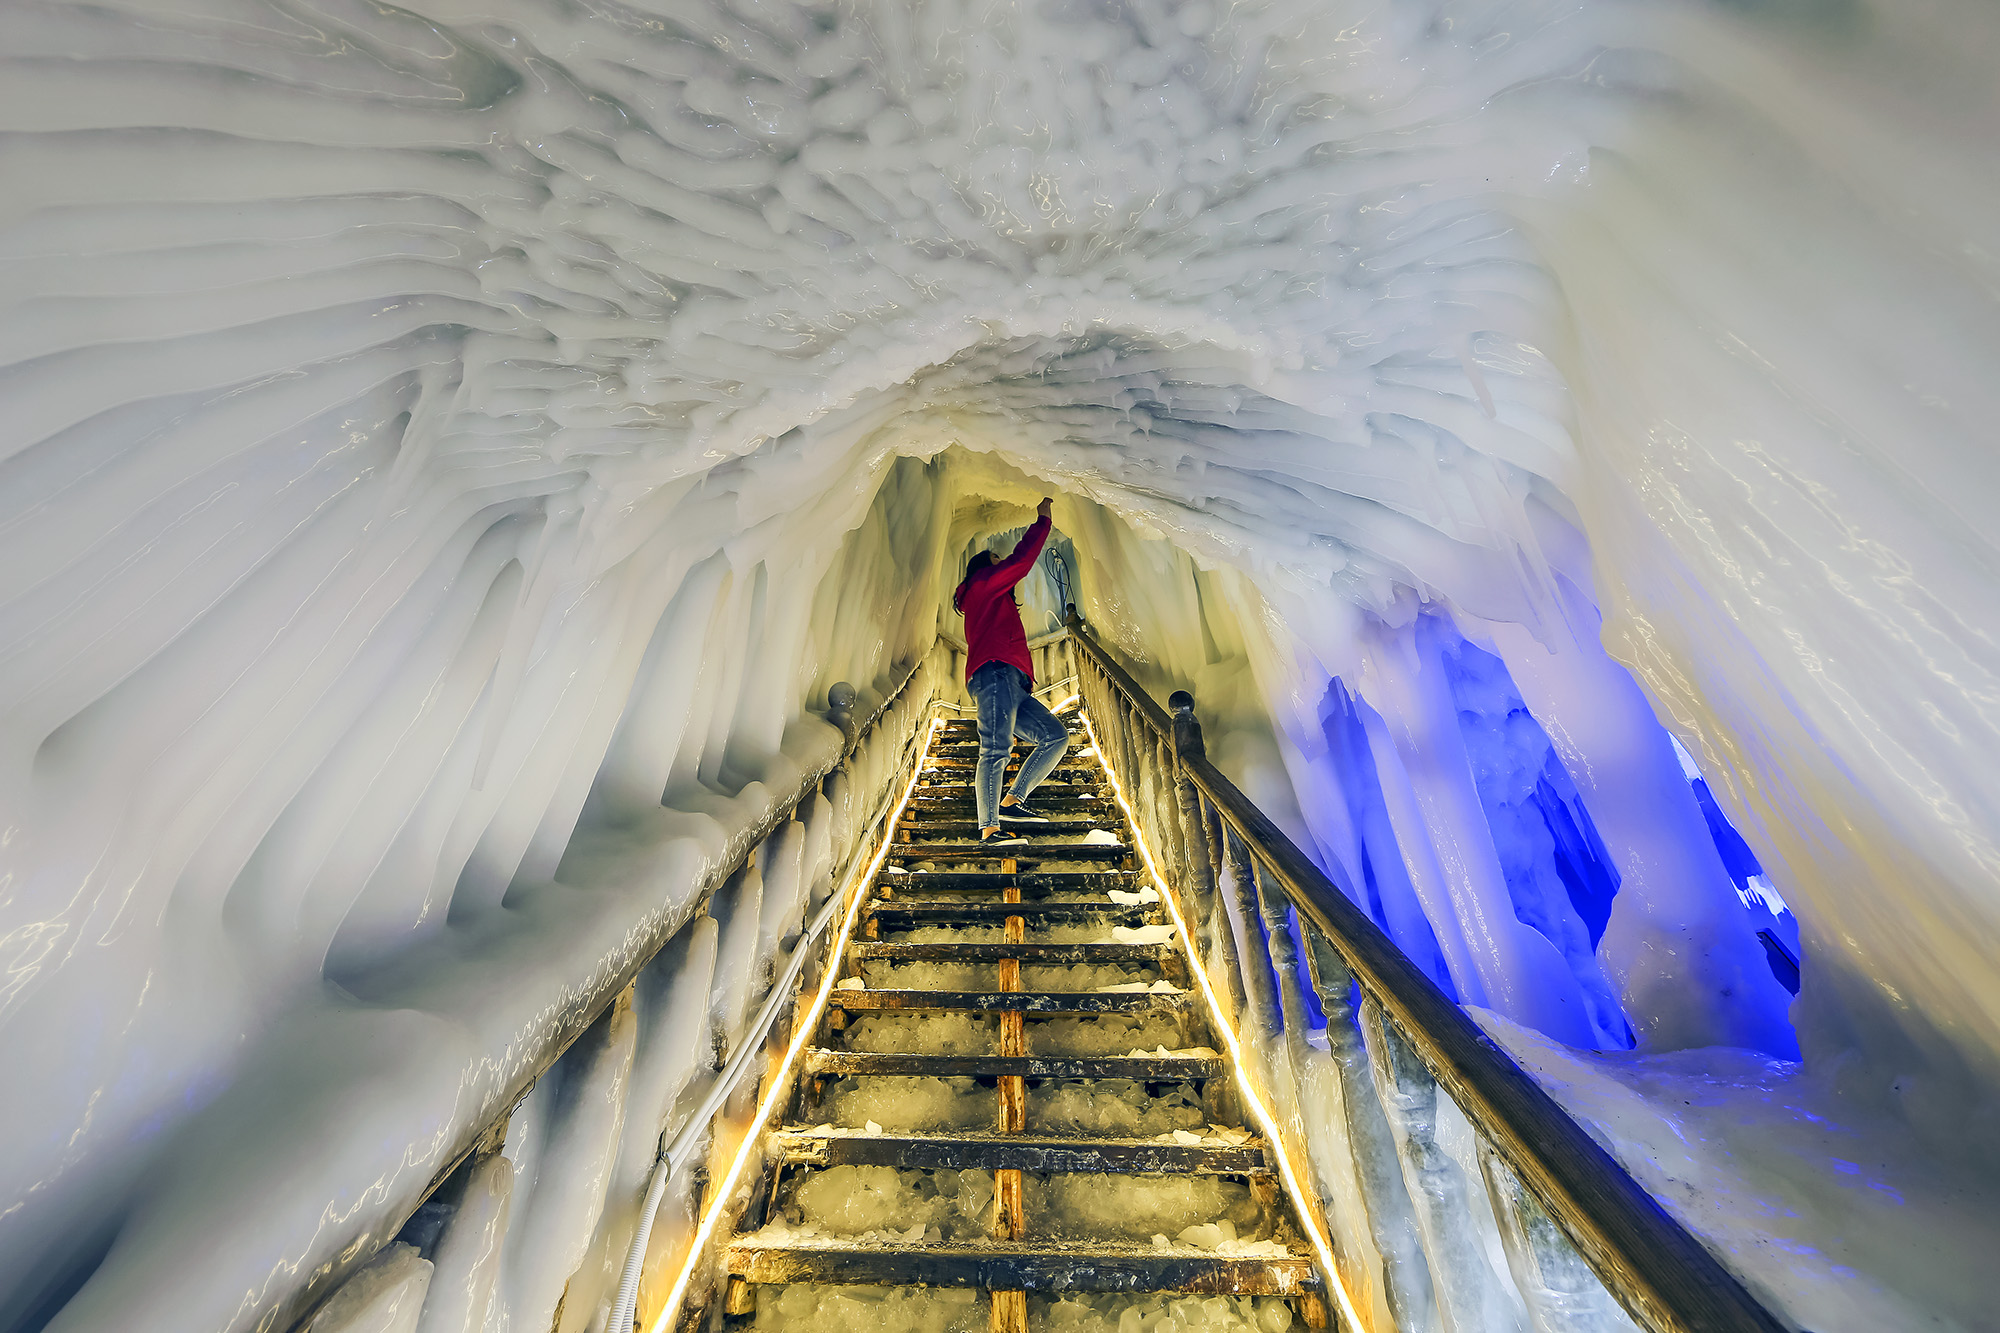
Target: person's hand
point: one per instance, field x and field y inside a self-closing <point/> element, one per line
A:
<point x="1042" y="509"/>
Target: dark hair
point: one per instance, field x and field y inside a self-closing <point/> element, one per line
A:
<point x="980" y="560"/>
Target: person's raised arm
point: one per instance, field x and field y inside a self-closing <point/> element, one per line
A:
<point x="1006" y="573"/>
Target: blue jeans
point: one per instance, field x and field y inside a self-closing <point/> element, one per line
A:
<point x="1007" y="709"/>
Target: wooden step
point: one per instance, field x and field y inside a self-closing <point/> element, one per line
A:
<point x="1022" y="1266"/>
<point x="933" y="827"/>
<point x="960" y="790"/>
<point x="819" y="1061"/>
<point x="1022" y="1001"/>
<point x="1029" y="882"/>
<point x="959" y="804"/>
<point x="1086" y="770"/>
<point x="1085" y="778"/>
<point x="1020" y="851"/>
<point x="888" y="913"/>
<point x="966" y="952"/>
<point x="1021" y="1152"/>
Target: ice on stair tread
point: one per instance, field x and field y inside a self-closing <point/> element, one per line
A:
<point x="806" y="1307"/>
<point x="1067" y="977"/>
<point x="906" y="1104"/>
<point x="1038" y="932"/>
<point x="931" y="1032"/>
<point x="884" y="1203"/>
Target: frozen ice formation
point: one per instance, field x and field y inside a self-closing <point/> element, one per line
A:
<point x="452" y="449"/>
<point x="903" y="1104"/>
<point x="865" y="1202"/>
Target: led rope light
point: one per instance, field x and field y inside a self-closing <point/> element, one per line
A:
<point x="800" y="1037"/>
<point x="1259" y="1112"/>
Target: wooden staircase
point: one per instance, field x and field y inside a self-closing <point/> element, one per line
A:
<point x="935" y="880"/>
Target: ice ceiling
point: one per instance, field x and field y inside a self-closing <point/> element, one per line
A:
<point x="396" y="399"/>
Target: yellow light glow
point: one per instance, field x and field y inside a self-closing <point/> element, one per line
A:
<point x="1266" y="1122"/>
<point x="800" y="1036"/>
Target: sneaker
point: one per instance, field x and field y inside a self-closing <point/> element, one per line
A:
<point x="1002" y="840"/>
<point x="1019" y="813"/>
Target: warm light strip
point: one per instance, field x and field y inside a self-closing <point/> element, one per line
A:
<point x="1258" y="1111"/>
<point x="800" y="1036"/>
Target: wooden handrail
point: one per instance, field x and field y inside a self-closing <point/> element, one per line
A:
<point x="1663" y="1276"/>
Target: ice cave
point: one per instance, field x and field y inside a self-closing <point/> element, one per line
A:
<point x="486" y="755"/>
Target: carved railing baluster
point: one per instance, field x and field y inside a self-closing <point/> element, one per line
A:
<point x="1385" y="1198"/>
<point x="1562" y="1294"/>
<point x="1468" y="1294"/>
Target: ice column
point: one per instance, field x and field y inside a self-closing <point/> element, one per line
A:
<point x="1448" y="847"/>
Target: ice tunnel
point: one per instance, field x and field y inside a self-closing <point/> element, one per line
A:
<point x="481" y="486"/>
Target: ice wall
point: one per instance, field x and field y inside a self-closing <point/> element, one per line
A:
<point x="431" y="431"/>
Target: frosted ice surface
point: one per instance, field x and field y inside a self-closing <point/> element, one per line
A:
<point x="1100" y="1034"/>
<point x="925" y="1033"/>
<point x="1084" y="976"/>
<point x="1121" y="1207"/>
<point x="883" y="975"/>
<point x="814" y="1308"/>
<point x="385" y="1297"/>
<point x="867" y="1202"/>
<point x="1764" y="1159"/>
<point x="904" y="1104"/>
<point x="1094" y="1312"/>
<point x="467" y="1258"/>
<point x="1113" y="1106"/>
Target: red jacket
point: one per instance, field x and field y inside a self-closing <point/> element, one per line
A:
<point x="992" y="621"/>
